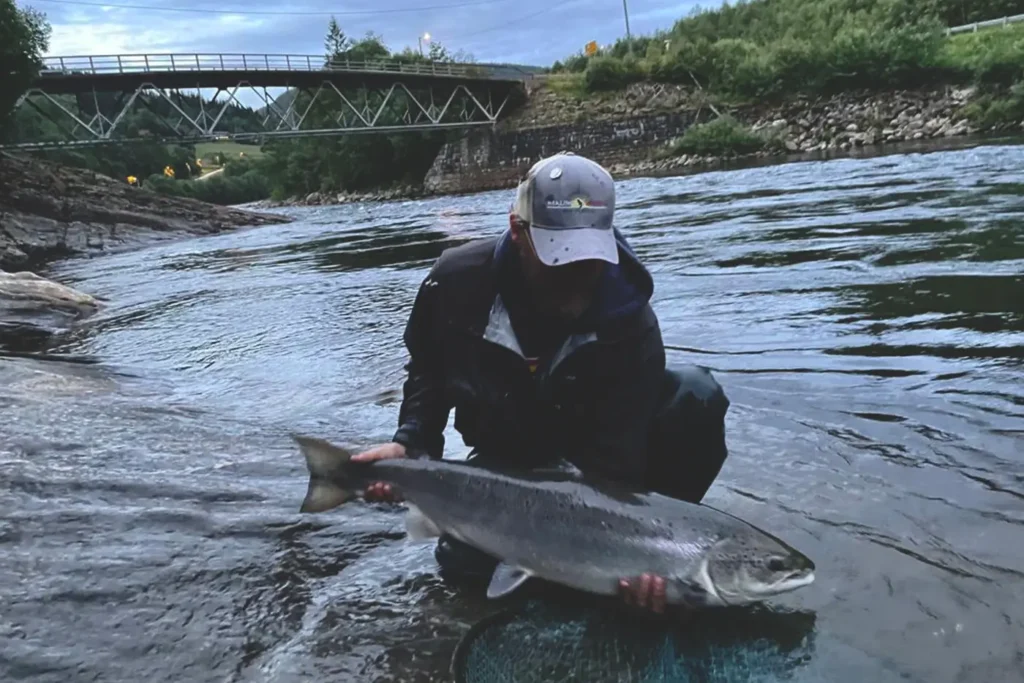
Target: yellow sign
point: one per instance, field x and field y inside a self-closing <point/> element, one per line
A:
<point x="591" y="48"/>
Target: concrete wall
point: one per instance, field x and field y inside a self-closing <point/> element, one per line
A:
<point x="489" y="160"/>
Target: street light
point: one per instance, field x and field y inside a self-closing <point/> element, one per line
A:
<point x="420" y="39"/>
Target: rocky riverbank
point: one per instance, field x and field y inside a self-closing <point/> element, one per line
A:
<point x="632" y="132"/>
<point x="50" y="211"/>
<point x="844" y="123"/>
<point x="333" y="198"/>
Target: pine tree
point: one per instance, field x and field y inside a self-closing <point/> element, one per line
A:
<point x="337" y="44"/>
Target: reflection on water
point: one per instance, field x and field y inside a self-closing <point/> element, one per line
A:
<point x="866" y="317"/>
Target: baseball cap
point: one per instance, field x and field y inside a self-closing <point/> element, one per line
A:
<point x="569" y="203"/>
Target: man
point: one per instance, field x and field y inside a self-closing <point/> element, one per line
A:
<point x="544" y="342"/>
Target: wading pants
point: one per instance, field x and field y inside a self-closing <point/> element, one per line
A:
<point x="687" y="450"/>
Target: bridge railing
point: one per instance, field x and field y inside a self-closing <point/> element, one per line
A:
<point x="985" y="24"/>
<point x="125" y="64"/>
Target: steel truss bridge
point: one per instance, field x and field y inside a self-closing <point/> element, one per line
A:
<point x="89" y="98"/>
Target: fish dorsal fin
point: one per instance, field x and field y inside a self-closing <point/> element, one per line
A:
<point x="506" y="578"/>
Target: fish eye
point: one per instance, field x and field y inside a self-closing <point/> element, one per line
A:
<point x="777" y="564"/>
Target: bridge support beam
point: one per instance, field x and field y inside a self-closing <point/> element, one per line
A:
<point x="316" y="109"/>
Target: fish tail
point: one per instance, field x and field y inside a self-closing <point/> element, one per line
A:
<point x="330" y="482"/>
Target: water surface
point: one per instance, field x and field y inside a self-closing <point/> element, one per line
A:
<point x="865" y="316"/>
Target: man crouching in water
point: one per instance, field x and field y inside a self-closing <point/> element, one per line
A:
<point x="544" y="342"/>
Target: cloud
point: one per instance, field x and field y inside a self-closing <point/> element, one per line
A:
<point x="523" y="31"/>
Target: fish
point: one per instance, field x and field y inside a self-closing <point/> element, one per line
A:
<point x="568" y="528"/>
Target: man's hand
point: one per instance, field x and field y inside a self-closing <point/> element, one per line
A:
<point x="646" y="591"/>
<point x="379" y="490"/>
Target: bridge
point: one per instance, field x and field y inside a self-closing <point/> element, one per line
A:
<point x="89" y="98"/>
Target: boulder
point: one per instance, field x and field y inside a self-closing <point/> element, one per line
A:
<point x="27" y="298"/>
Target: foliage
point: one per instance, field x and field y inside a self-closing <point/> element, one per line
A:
<point x="993" y="57"/>
<point x="766" y="48"/>
<point x="355" y="162"/>
<point x="721" y="137"/>
<point x="241" y="181"/>
<point x="140" y="159"/>
<point x="24" y="37"/>
<point x="993" y="110"/>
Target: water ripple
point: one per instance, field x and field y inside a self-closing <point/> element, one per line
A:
<point x="866" y="317"/>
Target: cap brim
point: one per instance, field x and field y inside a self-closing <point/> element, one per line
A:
<point x="561" y="246"/>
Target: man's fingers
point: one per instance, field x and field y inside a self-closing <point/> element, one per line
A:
<point x="646" y="591"/>
<point x="658" y="594"/>
<point x="643" y="591"/>
<point x="383" y="452"/>
<point x="382" y="491"/>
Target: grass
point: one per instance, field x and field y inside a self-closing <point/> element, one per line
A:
<point x="570" y="84"/>
<point x="210" y="153"/>
<point x="994" y="55"/>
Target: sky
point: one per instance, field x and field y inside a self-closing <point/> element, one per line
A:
<point x="534" y="32"/>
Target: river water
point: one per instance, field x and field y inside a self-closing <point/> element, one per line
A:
<point x="865" y="317"/>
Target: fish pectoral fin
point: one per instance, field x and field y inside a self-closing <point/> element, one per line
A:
<point x="418" y="526"/>
<point x="506" y="578"/>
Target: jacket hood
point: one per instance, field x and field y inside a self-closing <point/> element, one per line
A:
<point x="624" y="288"/>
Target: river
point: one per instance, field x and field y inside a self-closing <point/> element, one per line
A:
<point x="865" y="317"/>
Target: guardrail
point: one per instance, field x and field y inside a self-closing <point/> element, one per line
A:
<point x="966" y="28"/>
<point x="126" y="64"/>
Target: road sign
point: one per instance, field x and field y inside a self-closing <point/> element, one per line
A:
<point x="591" y="48"/>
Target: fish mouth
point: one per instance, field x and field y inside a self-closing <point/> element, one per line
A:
<point x="791" y="582"/>
<point x="795" y="580"/>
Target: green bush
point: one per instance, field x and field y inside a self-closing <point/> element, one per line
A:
<point x="225" y="189"/>
<point x="998" y="109"/>
<point x="776" y="47"/>
<point x="611" y="73"/>
<point x="723" y="136"/>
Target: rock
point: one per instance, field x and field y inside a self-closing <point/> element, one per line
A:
<point x="13" y="256"/>
<point x="959" y="128"/>
<point x="792" y="146"/>
<point x="852" y="128"/>
<point x="26" y="298"/>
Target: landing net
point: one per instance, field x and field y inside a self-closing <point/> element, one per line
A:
<point x="541" y="642"/>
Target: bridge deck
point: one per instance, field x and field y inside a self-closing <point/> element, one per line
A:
<point x="128" y="72"/>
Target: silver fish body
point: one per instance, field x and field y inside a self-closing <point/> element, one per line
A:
<point x="569" y="530"/>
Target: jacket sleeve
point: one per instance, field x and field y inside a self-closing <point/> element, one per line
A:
<point x="423" y="415"/>
<point x="616" y="436"/>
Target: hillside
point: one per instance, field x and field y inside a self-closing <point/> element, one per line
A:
<point x="777" y="48"/>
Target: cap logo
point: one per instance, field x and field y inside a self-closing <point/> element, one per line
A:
<point x="577" y="203"/>
<point x="556" y="173"/>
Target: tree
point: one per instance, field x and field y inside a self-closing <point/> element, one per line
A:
<point x="337" y="44"/>
<point x="24" y="37"/>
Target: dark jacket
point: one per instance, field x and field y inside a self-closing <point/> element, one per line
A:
<point x="591" y="403"/>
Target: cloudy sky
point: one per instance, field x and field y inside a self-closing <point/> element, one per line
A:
<point x="520" y="31"/>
